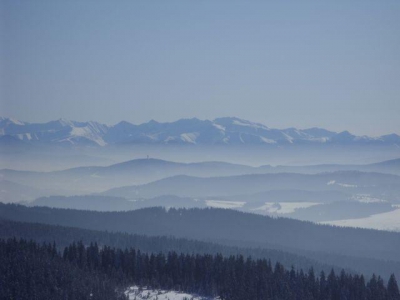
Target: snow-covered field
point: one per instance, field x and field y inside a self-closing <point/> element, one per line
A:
<point x="224" y="204"/>
<point x="332" y="182"/>
<point x="135" y="294"/>
<point x="283" y="207"/>
<point x="366" y="198"/>
<point x="385" y="221"/>
<point x="267" y="208"/>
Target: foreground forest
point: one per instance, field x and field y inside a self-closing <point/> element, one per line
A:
<point x="347" y="248"/>
<point x="33" y="271"/>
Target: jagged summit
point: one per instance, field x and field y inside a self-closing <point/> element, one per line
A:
<point x="220" y="131"/>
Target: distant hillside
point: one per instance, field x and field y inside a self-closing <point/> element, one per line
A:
<point x="319" y="261"/>
<point x="109" y="203"/>
<point x="63" y="236"/>
<point x="221" y="225"/>
<point x="389" y="167"/>
<point x="11" y="192"/>
<point x="95" y="179"/>
<point x="97" y="203"/>
<point x="83" y="180"/>
<point x="188" y="186"/>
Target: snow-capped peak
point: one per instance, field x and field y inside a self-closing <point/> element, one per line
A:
<point x="11" y="121"/>
<point x="221" y="131"/>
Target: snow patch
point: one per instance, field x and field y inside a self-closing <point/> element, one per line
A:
<point x="88" y="133"/>
<point x="366" y="198"/>
<point x="267" y="141"/>
<point x="249" y="124"/>
<point x="284" y="207"/>
<point x="288" y="137"/>
<point x="15" y="121"/>
<point x="384" y="221"/>
<point x="332" y="182"/>
<point x="219" y="127"/>
<point x="189" y="137"/>
<point x="224" y="204"/>
<point x="95" y="175"/>
<point x="24" y="136"/>
<point x="65" y="122"/>
<point x="226" y="140"/>
<point x="135" y="293"/>
<point x="347" y="185"/>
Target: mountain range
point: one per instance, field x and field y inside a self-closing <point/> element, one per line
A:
<point x="221" y="131"/>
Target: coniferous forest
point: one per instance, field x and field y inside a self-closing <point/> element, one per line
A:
<point x="39" y="271"/>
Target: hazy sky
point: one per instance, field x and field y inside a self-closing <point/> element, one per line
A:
<point x="332" y="64"/>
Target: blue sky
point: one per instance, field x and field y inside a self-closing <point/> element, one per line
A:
<point x="331" y="64"/>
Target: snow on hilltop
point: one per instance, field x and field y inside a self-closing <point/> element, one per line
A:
<point x="221" y="131"/>
<point x="135" y="293"/>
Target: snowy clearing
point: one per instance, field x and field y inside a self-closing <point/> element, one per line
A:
<point x="135" y="294"/>
<point x="284" y="207"/>
<point x="385" y="221"/>
<point x="347" y="185"/>
<point x="224" y="204"/>
<point x="332" y="182"/>
<point x="366" y="198"/>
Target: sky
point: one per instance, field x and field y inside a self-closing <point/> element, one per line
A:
<point x="330" y="64"/>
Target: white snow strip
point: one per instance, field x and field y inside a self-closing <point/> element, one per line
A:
<point x="220" y="127"/>
<point x="249" y="124"/>
<point x="332" y="182"/>
<point x="169" y="138"/>
<point x="24" y="136"/>
<point x="347" y="185"/>
<point x="189" y="137"/>
<point x="224" y="204"/>
<point x="86" y="132"/>
<point x="288" y="137"/>
<point x="95" y="175"/>
<point x="135" y="293"/>
<point x="16" y="122"/>
<point x="366" y="198"/>
<point x="284" y="207"/>
<point x="268" y="141"/>
<point x="384" y="221"/>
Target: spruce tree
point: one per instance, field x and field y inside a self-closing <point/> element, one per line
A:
<point x="393" y="289"/>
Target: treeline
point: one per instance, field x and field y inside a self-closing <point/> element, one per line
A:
<point x="64" y="236"/>
<point x="302" y="244"/>
<point x="221" y="224"/>
<point x="32" y="271"/>
<point x="81" y="271"/>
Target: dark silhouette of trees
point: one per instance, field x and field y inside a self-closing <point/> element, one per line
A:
<point x="33" y="271"/>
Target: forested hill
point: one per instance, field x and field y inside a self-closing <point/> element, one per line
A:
<point x="220" y="224"/>
<point x="64" y="236"/>
<point x="31" y="271"/>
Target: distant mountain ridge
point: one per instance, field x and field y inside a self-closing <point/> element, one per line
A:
<point x="204" y="187"/>
<point x="221" y="131"/>
<point x="96" y="179"/>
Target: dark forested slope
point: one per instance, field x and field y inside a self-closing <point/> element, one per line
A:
<point x="30" y="271"/>
<point x="220" y="224"/>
